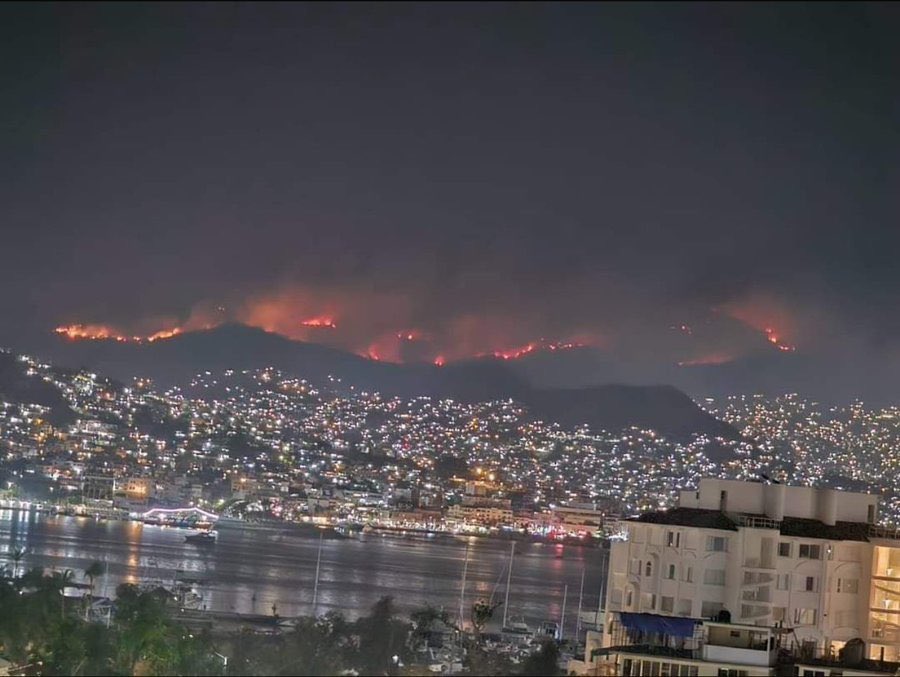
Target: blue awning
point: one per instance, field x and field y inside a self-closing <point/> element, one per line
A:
<point x="663" y="625"/>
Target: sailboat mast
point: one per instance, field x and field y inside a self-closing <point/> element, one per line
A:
<point x="316" y="585"/>
<point x="580" y="599"/>
<point x="462" y="590"/>
<point x="562" y="616"/>
<point x="601" y="603"/>
<point x="512" y="553"/>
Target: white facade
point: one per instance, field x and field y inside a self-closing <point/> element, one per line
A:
<point x="798" y="558"/>
<point x="777" y="501"/>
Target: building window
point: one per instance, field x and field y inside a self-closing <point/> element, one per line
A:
<point x="783" y="582"/>
<point x="804" y="616"/>
<point x="684" y="607"/>
<point x="629" y="598"/>
<point x="848" y="585"/>
<point x="648" y="568"/>
<point x="784" y="549"/>
<point x="667" y="604"/>
<point x="810" y="551"/>
<point x="710" y="609"/>
<point x="716" y="544"/>
<point x="779" y="613"/>
<point x="689" y="575"/>
<point x="673" y="538"/>
<point x="714" y="577"/>
<point x="810" y="584"/>
<point x="671" y="574"/>
<point x="636" y="566"/>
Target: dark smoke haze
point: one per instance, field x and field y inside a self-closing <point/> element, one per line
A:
<point x="669" y="184"/>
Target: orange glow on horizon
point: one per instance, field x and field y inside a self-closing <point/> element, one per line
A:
<point x="708" y="360"/>
<point x="768" y="317"/>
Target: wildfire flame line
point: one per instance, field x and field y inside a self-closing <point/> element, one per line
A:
<point x="527" y="349"/>
<point x="80" y="332"/>
<point x="376" y="351"/>
<point x="322" y="321"/>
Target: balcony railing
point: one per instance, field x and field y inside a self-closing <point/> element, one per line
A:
<point x="729" y="654"/>
<point x="756" y="610"/>
<point x="756" y="595"/>
<point x="757" y="563"/>
<point x="752" y="578"/>
<point x="758" y="522"/>
<point x="885" y="632"/>
<point x="878" y="531"/>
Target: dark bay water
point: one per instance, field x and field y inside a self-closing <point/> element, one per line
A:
<point x="248" y="570"/>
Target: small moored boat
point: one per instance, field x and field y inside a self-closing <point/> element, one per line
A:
<point x="203" y="538"/>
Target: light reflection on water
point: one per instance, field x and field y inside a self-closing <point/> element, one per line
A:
<point x="249" y="570"/>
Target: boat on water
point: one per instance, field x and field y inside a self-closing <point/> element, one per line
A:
<point x="517" y="632"/>
<point x="202" y="538"/>
<point x="519" y="625"/>
<point x="548" y="629"/>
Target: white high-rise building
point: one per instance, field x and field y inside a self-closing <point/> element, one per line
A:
<point x="808" y="566"/>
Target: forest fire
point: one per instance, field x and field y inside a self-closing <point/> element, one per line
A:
<point x="535" y="346"/>
<point x="774" y="339"/>
<point x="97" y="332"/>
<point x="323" y="322"/>
<point x="397" y="346"/>
<point x="764" y="315"/>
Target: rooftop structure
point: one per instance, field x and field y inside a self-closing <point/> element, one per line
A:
<point x="807" y="561"/>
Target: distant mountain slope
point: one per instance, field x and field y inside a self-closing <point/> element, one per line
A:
<point x="614" y="407"/>
<point x="174" y="361"/>
<point x="16" y="386"/>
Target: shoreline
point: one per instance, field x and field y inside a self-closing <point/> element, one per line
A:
<point x="328" y="531"/>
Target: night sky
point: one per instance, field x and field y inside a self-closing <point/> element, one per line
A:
<point x="478" y="176"/>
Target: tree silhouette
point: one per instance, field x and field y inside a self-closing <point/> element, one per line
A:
<point x="58" y="582"/>
<point x="542" y="662"/>
<point x="381" y="636"/>
<point x="18" y="554"/>
<point x="95" y="570"/>
<point x="482" y="612"/>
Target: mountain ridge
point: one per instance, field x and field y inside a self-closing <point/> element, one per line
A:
<point x="173" y="361"/>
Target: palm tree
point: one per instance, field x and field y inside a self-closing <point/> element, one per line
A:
<point x="93" y="571"/>
<point x="59" y="582"/>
